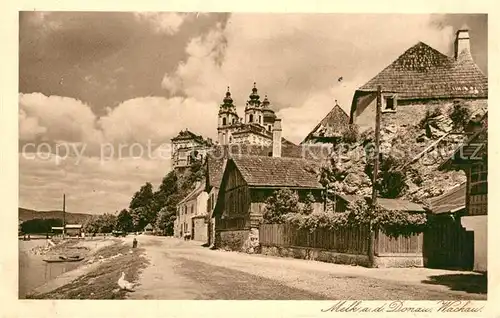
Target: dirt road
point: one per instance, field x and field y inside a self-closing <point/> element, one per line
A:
<point x="185" y="270"/>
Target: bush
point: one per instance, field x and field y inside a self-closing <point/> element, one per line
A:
<point x="391" y="181"/>
<point x="280" y="203"/>
<point x="359" y="214"/>
<point x="460" y="115"/>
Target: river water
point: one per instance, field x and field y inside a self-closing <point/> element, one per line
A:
<point x="33" y="271"/>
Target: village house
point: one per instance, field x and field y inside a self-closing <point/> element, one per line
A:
<point x="246" y="184"/>
<point x="419" y="80"/>
<point x="472" y="158"/>
<point x="70" y="229"/>
<point x="191" y="215"/>
<point x="330" y="128"/>
<point x="447" y="244"/>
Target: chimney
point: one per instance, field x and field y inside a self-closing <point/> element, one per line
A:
<point x="462" y="42"/>
<point x="277" y="138"/>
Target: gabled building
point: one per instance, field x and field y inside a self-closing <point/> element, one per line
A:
<point x="247" y="182"/>
<point x="422" y="79"/>
<point x="191" y="215"/>
<point x="472" y="158"/>
<point x="330" y="128"/>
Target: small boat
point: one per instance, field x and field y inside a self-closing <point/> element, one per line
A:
<point x="61" y="259"/>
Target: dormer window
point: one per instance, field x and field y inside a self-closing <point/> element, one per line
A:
<point x="390" y="103"/>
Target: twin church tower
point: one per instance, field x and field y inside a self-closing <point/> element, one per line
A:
<point x="258" y="127"/>
<point x="255" y="128"/>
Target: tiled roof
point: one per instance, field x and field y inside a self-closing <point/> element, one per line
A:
<point x="278" y="172"/>
<point x="332" y="125"/>
<point x="216" y="158"/>
<point x="423" y="72"/>
<point x="388" y="204"/>
<point x="451" y="201"/>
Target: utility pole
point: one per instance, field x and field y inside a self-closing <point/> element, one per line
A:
<point x="376" y="153"/>
<point x="64" y="215"/>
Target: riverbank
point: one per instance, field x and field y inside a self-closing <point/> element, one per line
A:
<point x="34" y="272"/>
<point x="98" y="276"/>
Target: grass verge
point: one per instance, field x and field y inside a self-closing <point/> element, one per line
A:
<point x="101" y="282"/>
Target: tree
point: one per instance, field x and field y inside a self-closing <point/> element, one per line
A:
<point x="281" y="202"/>
<point x="103" y="223"/>
<point x="40" y="225"/>
<point x="91" y="225"/>
<point x="139" y="217"/>
<point x="124" y="221"/>
<point x="162" y="221"/>
<point x="143" y="197"/>
<point x="107" y="222"/>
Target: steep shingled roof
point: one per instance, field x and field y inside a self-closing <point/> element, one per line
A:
<point x="278" y="172"/>
<point x="332" y="125"/>
<point x="423" y="72"/>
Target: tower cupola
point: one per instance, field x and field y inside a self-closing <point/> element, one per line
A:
<point x="227" y="111"/>
<point x="253" y="109"/>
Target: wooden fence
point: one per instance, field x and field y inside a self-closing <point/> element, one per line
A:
<point x="350" y="240"/>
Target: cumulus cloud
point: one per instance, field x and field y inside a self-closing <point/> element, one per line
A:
<point x="57" y="118"/>
<point x="163" y="22"/>
<point x="295" y="58"/>
<point x="158" y="119"/>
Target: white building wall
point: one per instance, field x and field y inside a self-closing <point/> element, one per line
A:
<point x="478" y="224"/>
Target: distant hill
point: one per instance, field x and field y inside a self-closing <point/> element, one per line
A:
<point x="27" y="214"/>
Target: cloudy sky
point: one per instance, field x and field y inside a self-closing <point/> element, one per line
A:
<point x="93" y="82"/>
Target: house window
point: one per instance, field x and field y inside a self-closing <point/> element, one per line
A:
<point x="224" y="121"/>
<point x="234" y="120"/>
<point x="230" y="138"/>
<point x="269" y="127"/>
<point x="389" y="103"/>
<point x="250" y="118"/>
<point x="260" y="119"/>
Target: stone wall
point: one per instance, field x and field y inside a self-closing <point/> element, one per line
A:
<point x="246" y="240"/>
<point x="410" y="113"/>
<point x="316" y="254"/>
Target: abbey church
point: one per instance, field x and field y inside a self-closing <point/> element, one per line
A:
<point x="256" y="128"/>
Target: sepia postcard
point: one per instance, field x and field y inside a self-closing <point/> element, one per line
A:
<point x="337" y="159"/>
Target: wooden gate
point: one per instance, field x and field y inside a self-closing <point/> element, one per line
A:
<point x="448" y="245"/>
